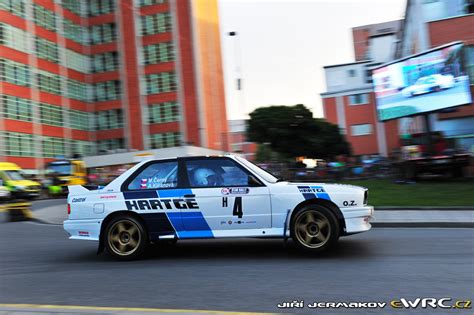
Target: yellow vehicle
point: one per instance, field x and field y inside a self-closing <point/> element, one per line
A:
<point x="63" y="173"/>
<point x="19" y="187"/>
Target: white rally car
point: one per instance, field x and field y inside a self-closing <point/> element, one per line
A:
<point x="212" y="197"/>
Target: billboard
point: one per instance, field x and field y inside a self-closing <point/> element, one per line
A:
<point x="427" y="82"/>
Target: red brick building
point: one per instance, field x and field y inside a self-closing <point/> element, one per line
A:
<point x="349" y="100"/>
<point x="94" y="76"/>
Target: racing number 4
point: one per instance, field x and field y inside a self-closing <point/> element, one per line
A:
<point x="237" y="211"/>
<point x="238" y="207"/>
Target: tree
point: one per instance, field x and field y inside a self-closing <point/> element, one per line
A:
<point x="292" y="131"/>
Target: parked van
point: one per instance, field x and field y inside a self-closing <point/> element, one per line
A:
<point x="19" y="187"/>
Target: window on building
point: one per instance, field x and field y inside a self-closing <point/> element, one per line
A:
<point x="46" y="49"/>
<point x="100" y="7"/>
<point x="110" y="144"/>
<point x="44" y="18"/>
<point x="160" y="83"/>
<point x="16" y="108"/>
<point x="79" y="120"/>
<point x="109" y="119"/>
<point x="19" y="144"/>
<point x="165" y="140"/>
<point x="143" y="3"/>
<point x="103" y="33"/>
<point x="106" y="91"/>
<point x="83" y="148"/>
<point x="154" y="24"/>
<point x="13" y="37"/>
<point x="75" y="32"/>
<point x="77" y="90"/>
<point x="49" y="82"/>
<point x="358" y="99"/>
<point x="53" y="147"/>
<point x="74" y="6"/>
<point x="163" y="112"/>
<point x="51" y="114"/>
<point x="361" y="130"/>
<point x="16" y="7"/>
<point x="14" y="72"/>
<point x="77" y="61"/>
<point x="105" y="62"/>
<point x="156" y="53"/>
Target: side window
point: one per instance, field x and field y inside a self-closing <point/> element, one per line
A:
<point x="215" y="173"/>
<point x="156" y="175"/>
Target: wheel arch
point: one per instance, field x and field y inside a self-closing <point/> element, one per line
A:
<point x="112" y="216"/>
<point x="331" y="206"/>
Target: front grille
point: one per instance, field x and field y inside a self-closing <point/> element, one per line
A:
<point x="366" y="196"/>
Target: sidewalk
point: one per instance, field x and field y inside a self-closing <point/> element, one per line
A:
<point x="384" y="216"/>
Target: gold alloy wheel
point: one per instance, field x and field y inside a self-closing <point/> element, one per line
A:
<point x="124" y="237"/>
<point x="312" y="229"/>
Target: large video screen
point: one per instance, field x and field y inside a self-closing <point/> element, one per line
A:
<point x="423" y="83"/>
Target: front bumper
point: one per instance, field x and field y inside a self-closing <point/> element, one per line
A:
<point x="358" y="219"/>
<point x="83" y="229"/>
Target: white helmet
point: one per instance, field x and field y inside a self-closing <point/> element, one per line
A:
<point x="203" y="177"/>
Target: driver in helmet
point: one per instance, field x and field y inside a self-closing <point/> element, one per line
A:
<point x="207" y="177"/>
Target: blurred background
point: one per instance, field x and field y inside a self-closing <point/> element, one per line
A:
<point x="89" y="88"/>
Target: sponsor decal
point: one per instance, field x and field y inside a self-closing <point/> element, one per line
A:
<point x="155" y="204"/>
<point x="306" y="190"/>
<point x="83" y="233"/>
<point x="108" y="197"/>
<point x="155" y="183"/>
<point x="235" y="191"/>
<point x="74" y="200"/>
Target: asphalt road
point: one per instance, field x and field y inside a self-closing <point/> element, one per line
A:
<point x="40" y="265"/>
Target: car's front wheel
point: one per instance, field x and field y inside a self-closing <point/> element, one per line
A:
<point x="314" y="229"/>
<point x="125" y="238"/>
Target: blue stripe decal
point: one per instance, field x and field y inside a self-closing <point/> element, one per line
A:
<point x="145" y="194"/>
<point x="176" y="221"/>
<point x="168" y="193"/>
<point x="190" y="225"/>
<point x="321" y="193"/>
<point x="309" y="196"/>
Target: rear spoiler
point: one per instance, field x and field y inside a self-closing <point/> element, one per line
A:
<point x="77" y="190"/>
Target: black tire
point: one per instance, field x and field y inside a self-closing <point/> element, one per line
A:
<point x="125" y="238"/>
<point x="314" y="229"/>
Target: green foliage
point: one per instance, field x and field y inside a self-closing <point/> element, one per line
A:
<point x="292" y="131"/>
<point x="429" y="193"/>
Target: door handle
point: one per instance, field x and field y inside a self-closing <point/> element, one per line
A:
<point x="189" y="196"/>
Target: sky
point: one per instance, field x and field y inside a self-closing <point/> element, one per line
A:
<point x="281" y="47"/>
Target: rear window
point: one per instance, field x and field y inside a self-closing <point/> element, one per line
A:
<point x="155" y="176"/>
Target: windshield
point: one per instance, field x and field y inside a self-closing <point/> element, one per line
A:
<point x="260" y="171"/>
<point x="60" y="168"/>
<point x="14" y="175"/>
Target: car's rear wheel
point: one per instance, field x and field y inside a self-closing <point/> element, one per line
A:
<point x="314" y="229"/>
<point x="125" y="238"/>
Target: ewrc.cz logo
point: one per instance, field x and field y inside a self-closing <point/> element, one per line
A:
<point x="155" y="204"/>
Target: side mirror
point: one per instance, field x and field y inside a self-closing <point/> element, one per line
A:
<point x="253" y="182"/>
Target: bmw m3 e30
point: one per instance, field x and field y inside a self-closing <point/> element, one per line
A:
<point x="212" y="197"/>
